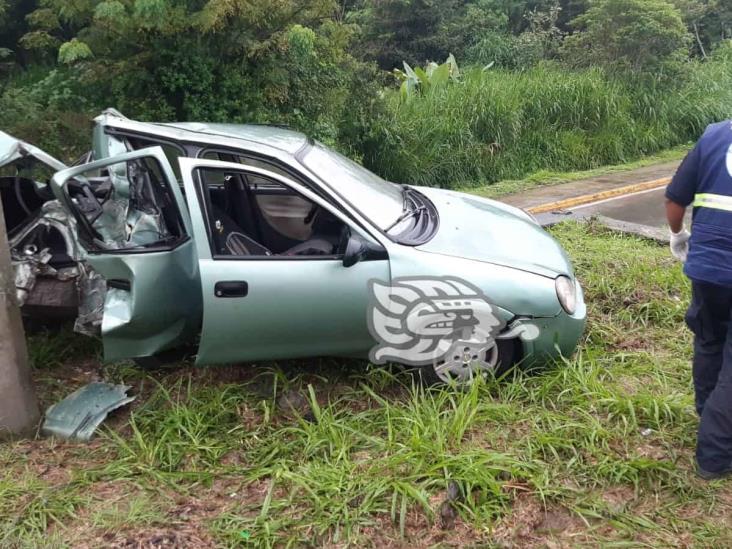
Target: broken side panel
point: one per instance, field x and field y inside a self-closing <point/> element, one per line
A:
<point x="135" y="230"/>
<point x="52" y="279"/>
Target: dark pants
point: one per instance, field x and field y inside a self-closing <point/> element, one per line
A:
<point x="710" y="319"/>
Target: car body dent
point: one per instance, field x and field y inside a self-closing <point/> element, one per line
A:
<point x="13" y="149"/>
<point x="31" y="262"/>
<point x="159" y="306"/>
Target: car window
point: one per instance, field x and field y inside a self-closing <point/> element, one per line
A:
<point x="172" y="152"/>
<point x="249" y="215"/>
<point x="247" y="160"/>
<point x="377" y="199"/>
<point x="128" y="206"/>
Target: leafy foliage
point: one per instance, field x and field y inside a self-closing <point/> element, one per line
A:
<point x="73" y="51"/>
<point x="637" y="35"/>
<point x="529" y="95"/>
<point x="428" y="80"/>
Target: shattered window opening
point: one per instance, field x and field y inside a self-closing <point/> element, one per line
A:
<point x="128" y="207"/>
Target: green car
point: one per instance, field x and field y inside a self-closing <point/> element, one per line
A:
<point x="254" y="243"/>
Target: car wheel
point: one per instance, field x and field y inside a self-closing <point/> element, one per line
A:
<point x="463" y="365"/>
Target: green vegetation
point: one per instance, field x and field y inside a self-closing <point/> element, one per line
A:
<point x="500" y="125"/>
<point x="559" y="85"/>
<point x="594" y="451"/>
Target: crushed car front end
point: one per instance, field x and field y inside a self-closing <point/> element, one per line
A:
<point x="52" y="278"/>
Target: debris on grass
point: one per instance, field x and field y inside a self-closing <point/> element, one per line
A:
<point x="79" y="414"/>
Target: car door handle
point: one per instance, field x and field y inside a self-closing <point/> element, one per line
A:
<point x="237" y="288"/>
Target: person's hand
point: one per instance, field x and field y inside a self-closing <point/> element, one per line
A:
<point x="680" y="244"/>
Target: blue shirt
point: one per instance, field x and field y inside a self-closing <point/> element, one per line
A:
<point x="707" y="170"/>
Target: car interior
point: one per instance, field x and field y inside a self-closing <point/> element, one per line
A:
<point x="251" y="215"/>
<point x="24" y="191"/>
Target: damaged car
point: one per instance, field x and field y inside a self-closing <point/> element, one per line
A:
<point x="255" y="242"/>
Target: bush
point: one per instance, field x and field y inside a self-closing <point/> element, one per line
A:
<point x="499" y="124"/>
<point x="49" y="110"/>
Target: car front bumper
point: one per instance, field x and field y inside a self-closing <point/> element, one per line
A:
<point x="558" y="335"/>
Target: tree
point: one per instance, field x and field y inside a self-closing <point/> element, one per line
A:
<point x="640" y="36"/>
<point x="709" y="21"/>
<point x="402" y="30"/>
<point x="218" y="60"/>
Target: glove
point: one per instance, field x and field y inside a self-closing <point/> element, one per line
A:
<point x="680" y="244"/>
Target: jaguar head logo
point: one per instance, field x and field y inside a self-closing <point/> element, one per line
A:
<point x="417" y="321"/>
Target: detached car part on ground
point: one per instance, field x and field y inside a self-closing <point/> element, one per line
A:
<point x="256" y="243"/>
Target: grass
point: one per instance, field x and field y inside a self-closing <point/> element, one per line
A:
<point x="594" y="451"/>
<point x="499" y="125"/>
<point x="546" y="178"/>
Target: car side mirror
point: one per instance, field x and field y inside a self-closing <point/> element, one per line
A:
<point x="356" y="250"/>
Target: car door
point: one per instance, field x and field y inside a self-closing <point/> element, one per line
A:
<point x="261" y="306"/>
<point x="133" y="223"/>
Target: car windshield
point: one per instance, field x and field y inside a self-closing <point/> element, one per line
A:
<point x="382" y="202"/>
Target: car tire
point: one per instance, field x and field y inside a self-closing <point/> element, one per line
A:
<point x="503" y="357"/>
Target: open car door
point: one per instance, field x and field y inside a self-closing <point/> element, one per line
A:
<point x="135" y="228"/>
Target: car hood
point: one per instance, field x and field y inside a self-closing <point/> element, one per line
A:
<point x="12" y="149"/>
<point x="485" y="230"/>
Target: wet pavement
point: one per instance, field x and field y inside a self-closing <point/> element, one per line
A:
<point x="642" y="213"/>
<point x="554" y="193"/>
<point x="644" y="208"/>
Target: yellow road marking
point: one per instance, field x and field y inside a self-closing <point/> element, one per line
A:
<point x="596" y="197"/>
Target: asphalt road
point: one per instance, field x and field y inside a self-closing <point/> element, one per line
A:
<point x="644" y="208"/>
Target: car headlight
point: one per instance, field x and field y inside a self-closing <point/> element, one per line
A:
<point x="567" y="294"/>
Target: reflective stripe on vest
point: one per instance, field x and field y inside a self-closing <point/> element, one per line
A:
<point x="713" y="201"/>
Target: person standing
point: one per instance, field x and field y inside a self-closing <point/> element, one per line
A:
<point x="704" y="181"/>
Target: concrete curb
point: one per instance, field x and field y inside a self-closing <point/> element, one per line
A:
<point x="596" y="197"/>
<point x="644" y="231"/>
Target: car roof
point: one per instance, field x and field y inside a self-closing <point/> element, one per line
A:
<point x="278" y="137"/>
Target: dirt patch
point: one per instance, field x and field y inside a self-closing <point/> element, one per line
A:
<point x="618" y="498"/>
<point x="49" y="459"/>
<point x="176" y="519"/>
<point x="530" y="524"/>
<point x="158" y="539"/>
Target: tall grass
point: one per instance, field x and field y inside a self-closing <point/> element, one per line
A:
<point x="499" y="124"/>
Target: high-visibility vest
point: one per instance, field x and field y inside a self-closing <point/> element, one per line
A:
<point x="713" y="201"/>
